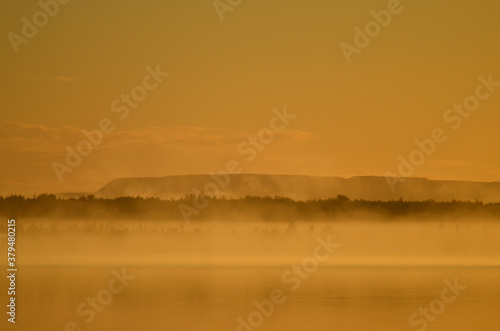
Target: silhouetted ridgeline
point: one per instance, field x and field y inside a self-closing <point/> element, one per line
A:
<point x="221" y="208"/>
<point x="302" y="187"/>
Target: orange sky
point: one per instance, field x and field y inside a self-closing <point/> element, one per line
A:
<point x="226" y="77"/>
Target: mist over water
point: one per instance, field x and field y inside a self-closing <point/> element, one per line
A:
<point x="208" y="275"/>
<point x="363" y="242"/>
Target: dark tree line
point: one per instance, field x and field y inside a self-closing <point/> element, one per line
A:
<point x="250" y="207"/>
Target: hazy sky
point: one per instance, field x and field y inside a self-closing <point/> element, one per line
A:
<point x="227" y="76"/>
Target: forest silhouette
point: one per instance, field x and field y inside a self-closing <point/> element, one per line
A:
<point x="265" y="208"/>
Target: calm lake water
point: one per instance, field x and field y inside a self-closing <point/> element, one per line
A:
<point x="212" y="298"/>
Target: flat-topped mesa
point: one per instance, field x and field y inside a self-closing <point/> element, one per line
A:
<point x="300" y="187"/>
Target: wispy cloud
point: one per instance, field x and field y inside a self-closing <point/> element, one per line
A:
<point x="451" y="163"/>
<point x="39" y="138"/>
<point x="61" y="79"/>
<point x="147" y="151"/>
